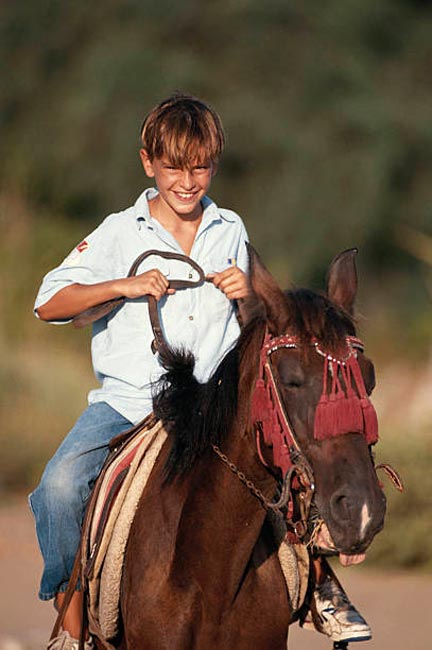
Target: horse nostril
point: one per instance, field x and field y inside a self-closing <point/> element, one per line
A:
<point x="340" y="507"/>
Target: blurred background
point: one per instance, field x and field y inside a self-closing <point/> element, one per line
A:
<point x="327" y="108"/>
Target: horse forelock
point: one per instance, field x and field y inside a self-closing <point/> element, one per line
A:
<point x="312" y="316"/>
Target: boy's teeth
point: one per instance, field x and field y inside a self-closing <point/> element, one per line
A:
<point x="185" y="196"/>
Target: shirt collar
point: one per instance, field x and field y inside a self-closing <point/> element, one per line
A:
<point x="211" y="211"/>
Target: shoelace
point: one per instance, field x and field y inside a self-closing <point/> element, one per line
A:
<point x="328" y="590"/>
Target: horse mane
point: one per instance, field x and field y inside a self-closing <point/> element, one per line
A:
<point x="198" y="415"/>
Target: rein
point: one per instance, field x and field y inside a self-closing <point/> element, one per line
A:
<point x="98" y="311"/>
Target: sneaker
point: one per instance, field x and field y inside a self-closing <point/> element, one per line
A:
<point x="64" y="641"/>
<point x="338" y="618"/>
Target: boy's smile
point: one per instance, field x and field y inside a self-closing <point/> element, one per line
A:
<point x="180" y="190"/>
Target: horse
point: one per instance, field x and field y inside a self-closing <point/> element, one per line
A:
<point x="201" y="569"/>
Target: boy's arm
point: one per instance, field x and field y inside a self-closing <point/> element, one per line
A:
<point x="75" y="298"/>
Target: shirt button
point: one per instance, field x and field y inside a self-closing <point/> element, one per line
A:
<point x="190" y="317"/>
<point x="190" y="276"/>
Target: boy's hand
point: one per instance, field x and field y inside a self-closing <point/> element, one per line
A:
<point x="151" y="283"/>
<point x="233" y="282"/>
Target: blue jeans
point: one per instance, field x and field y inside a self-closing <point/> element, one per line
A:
<point x="59" y="501"/>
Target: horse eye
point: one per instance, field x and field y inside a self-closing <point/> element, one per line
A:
<point x="292" y="383"/>
<point x="290" y="371"/>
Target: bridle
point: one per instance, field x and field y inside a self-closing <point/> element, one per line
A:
<point x="272" y="424"/>
<point x="268" y="411"/>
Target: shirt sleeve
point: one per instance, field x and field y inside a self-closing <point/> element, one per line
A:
<point x="93" y="260"/>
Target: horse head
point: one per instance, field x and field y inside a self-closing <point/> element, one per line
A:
<point x="313" y="387"/>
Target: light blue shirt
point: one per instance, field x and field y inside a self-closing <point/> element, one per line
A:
<point x="199" y="319"/>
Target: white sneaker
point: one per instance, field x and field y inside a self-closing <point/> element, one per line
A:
<point x="338" y="618"/>
<point x="64" y="641"/>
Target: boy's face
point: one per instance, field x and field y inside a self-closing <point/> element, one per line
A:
<point x="180" y="190"/>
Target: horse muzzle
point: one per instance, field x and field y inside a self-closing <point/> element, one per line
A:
<point x="349" y="523"/>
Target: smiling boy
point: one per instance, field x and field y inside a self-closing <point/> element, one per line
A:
<point x="182" y="141"/>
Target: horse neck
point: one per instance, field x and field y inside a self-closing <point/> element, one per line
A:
<point x="219" y="514"/>
<point x="221" y="517"/>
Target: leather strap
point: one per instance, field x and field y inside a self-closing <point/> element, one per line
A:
<point x="98" y="311"/>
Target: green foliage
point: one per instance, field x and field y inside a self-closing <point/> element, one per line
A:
<point x="326" y="107"/>
<point x="327" y="110"/>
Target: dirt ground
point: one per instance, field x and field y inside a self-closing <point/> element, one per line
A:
<point x="395" y="605"/>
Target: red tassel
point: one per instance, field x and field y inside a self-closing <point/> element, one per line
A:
<point x="321" y="428"/>
<point x="259" y="401"/>
<point x="370" y="421"/>
<point x="345" y="411"/>
<point x="351" y="416"/>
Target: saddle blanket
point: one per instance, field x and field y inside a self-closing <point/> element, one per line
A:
<point x="116" y="500"/>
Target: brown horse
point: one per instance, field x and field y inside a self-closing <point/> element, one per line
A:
<point x="201" y="568"/>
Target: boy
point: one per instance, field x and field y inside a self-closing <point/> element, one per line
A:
<point x="182" y="141"/>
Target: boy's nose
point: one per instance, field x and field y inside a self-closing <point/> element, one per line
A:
<point x="187" y="180"/>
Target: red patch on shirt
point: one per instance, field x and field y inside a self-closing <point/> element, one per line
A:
<point x="83" y="246"/>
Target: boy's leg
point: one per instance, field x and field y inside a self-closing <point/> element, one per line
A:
<point x="72" y="621"/>
<point x="59" y="501"/>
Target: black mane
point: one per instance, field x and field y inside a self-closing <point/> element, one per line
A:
<point x="197" y="415"/>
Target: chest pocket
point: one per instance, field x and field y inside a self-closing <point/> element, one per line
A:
<point x="219" y="307"/>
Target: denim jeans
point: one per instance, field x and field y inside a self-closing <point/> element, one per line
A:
<point x="59" y="501"/>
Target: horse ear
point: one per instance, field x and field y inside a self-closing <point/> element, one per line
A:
<point x="267" y="299"/>
<point x="342" y="280"/>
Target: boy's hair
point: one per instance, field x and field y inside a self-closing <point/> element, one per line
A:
<point x="185" y="130"/>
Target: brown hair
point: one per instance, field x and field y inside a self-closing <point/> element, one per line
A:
<point x="185" y="130"/>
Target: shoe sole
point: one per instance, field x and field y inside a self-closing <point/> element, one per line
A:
<point x="352" y="639"/>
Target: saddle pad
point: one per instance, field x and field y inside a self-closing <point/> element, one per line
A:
<point x="294" y="561"/>
<point x="106" y="564"/>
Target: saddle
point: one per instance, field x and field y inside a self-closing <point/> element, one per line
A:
<point x="106" y="525"/>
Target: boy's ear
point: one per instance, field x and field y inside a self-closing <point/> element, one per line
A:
<point x="147" y="163"/>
